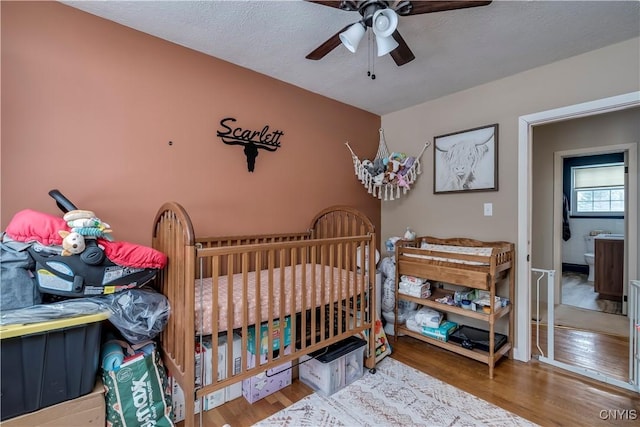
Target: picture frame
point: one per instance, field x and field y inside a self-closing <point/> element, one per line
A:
<point x="466" y="161"/>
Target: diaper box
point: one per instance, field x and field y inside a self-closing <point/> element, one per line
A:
<point x="442" y="332"/>
<point x="265" y="383"/>
<point x="264" y="336"/>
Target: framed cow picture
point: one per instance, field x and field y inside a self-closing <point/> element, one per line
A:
<point x="466" y="161"/>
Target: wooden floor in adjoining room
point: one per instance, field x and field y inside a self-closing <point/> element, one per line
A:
<point x="541" y="393"/>
<point x="604" y="353"/>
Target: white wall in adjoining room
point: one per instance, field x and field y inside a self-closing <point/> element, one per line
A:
<point x="573" y="250"/>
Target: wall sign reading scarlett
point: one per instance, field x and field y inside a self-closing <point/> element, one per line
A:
<point x="252" y="140"/>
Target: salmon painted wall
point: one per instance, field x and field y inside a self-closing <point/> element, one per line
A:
<point x="89" y="107"/>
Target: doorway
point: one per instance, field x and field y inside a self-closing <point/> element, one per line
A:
<point x="578" y="287"/>
<point x="525" y="216"/>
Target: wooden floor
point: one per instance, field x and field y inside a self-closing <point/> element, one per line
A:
<point x="604" y="353"/>
<point x="539" y="392"/>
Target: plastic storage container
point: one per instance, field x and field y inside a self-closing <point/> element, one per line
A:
<point x="330" y="371"/>
<point x="48" y="362"/>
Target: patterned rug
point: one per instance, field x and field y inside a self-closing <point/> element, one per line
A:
<point x="396" y="395"/>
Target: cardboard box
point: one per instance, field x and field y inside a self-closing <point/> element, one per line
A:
<point x="266" y="383"/>
<point x="328" y="372"/>
<point x="217" y="398"/>
<point x="177" y="401"/>
<point x="203" y="354"/>
<point x="234" y="391"/>
<point x="84" y="411"/>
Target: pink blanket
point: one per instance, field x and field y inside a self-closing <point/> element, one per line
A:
<point x="32" y="226"/>
<point x="312" y="276"/>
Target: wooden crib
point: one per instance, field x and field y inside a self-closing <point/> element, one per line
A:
<point x="223" y="286"/>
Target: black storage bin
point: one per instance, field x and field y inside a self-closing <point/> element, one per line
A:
<point x="47" y="363"/>
<point x="479" y="338"/>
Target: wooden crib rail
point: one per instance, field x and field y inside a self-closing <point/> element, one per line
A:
<point x="173" y="235"/>
<point x="243" y="240"/>
<point x="323" y="301"/>
<point x="339" y="221"/>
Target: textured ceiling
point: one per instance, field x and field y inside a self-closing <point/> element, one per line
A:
<point x="454" y="50"/>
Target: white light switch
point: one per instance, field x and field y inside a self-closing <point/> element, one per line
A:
<point x="488" y="209"/>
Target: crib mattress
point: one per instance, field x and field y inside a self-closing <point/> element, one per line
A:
<point x="321" y="278"/>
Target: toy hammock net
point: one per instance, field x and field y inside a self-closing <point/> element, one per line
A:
<point x="388" y="176"/>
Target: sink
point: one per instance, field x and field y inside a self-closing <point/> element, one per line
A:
<point x="610" y="236"/>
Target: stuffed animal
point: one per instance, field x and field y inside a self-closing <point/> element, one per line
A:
<point x="393" y="166"/>
<point x="72" y="243"/>
<point x="402" y="181"/>
<point x="406" y="165"/>
<point x="379" y="179"/>
<point x="377" y="167"/>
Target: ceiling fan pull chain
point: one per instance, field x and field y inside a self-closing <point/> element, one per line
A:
<point x="369" y="54"/>
<point x="372" y="56"/>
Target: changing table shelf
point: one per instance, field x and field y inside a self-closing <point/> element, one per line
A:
<point x="473" y="264"/>
<point x="476" y="354"/>
<point x="441" y="293"/>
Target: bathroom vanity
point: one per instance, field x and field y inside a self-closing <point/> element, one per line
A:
<point x="609" y="266"/>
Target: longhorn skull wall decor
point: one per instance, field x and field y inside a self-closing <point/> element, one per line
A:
<point x="252" y="140"/>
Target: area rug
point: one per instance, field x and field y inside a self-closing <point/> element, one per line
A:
<point x="396" y="395"/>
<point x="578" y="292"/>
<point x="587" y="320"/>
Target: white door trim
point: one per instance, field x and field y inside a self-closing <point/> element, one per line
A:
<point x="522" y="349"/>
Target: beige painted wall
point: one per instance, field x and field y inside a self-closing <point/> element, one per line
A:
<point x="598" y="74"/>
<point x="89" y="107"/>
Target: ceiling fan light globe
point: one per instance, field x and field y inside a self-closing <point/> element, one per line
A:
<point x="352" y="36"/>
<point x="385" y="22"/>
<point x="386" y="45"/>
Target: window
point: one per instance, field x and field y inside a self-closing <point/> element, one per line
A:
<point x="597" y="190"/>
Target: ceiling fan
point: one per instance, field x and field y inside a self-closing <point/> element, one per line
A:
<point x="382" y="18"/>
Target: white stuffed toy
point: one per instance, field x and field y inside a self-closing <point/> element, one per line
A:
<point x="72" y="243"/>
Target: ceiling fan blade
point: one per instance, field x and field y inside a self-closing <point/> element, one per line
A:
<point x="402" y="54"/>
<point x="326" y="47"/>
<point x="343" y="5"/>
<point x="406" y="8"/>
